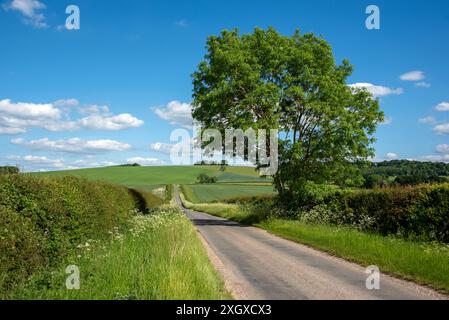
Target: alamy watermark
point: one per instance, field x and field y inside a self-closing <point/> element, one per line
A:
<point x="372" y="22"/>
<point x="72" y="281"/>
<point x="373" y="280"/>
<point x="258" y="147"/>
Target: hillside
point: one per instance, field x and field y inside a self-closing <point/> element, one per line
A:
<point x="151" y="177"/>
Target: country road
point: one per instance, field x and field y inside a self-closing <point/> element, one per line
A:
<point x="258" y="265"/>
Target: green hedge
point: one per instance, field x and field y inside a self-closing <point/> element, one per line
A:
<point x="420" y="212"/>
<point x="43" y="219"/>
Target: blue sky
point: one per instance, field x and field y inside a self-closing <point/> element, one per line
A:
<point x="117" y="87"/>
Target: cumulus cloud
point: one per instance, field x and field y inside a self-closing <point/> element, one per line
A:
<point x="11" y="131"/>
<point x="73" y="145"/>
<point x="376" y="90"/>
<point x="29" y="110"/>
<point x="176" y="113"/>
<point x="437" y="158"/>
<point x="16" y="118"/>
<point x="93" y="109"/>
<point x="392" y="156"/>
<point x="30" y="9"/>
<point x="443" y="106"/>
<point x="442" y="128"/>
<point x="427" y="120"/>
<point x="412" y="76"/>
<point x="443" y="148"/>
<point x="144" y="161"/>
<point x="37" y="163"/>
<point x="102" y="122"/>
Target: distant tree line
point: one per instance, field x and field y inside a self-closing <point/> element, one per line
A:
<point x="404" y="172"/>
<point x="211" y="163"/>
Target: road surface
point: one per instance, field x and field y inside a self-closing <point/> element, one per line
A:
<point x="257" y="265"/>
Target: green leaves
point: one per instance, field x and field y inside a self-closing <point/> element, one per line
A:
<point x="265" y="80"/>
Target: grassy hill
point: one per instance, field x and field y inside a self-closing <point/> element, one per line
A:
<point x="151" y="177"/>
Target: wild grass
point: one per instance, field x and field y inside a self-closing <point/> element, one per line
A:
<point x="158" y="257"/>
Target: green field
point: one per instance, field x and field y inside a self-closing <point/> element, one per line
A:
<point x="151" y="177"/>
<point x="206" y="193"/>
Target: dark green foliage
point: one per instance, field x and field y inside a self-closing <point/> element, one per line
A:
<point x="264" y="80"/>
<point x="404" y="172"/>
<point x="9" y="170"/>
<point x="43" y="219"/>
<point x="417" y="212"/>
<point x="204" y="178"/>
<point x="418" y="179"/>
<point x="130" y="165"/>
<point x="409" y="168"/>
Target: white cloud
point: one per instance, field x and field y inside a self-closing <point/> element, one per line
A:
<point x="427" y="120"/>
<point x="437" y="158"/>
<point x="66" y="103"/>
<point x="377" y="91"/>
<point x="11" y="131"/>
<point x="412" y="76"/>
<point x="423" y="85"/>
<point x="94" y="109"/>
<point x="28" y="110"/>
<point x="442" y="128"/>
<point x="176" y="113"/>
<point x="30" y="10"/>
<point x="73" y="145"/>
<point x="392" y="156"/>
<point x="102" y="122"/>
<point x="39" y="162"/>
<point x="161" y="147"/>
<point x="145" y="161"/>
<point x="443" y="106"/>
<point x="16" y="118"/>
<point x="443" y="148"/>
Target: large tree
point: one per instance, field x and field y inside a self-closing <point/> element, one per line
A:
<point x="265" y="80"/>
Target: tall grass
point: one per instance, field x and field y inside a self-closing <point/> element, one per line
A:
<point x="158" y="257"/>
<point x="43" y="219"/>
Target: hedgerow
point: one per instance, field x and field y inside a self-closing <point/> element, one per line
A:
<point x="43" y="219"/>
<point x="415" y="212"/>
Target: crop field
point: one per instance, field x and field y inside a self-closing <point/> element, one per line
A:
<point x="206" y="193"/>
<point x="151" y="177"/>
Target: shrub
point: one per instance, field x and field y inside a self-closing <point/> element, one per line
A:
<point x="43" y="219"/>
<point x="9" y="170"/>
<point x="204" y="178"/>
<point x="418" y="212"/>
<point x="21" y="249"/>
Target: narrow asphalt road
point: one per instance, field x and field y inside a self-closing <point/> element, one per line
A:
<point x="258" y="265"/>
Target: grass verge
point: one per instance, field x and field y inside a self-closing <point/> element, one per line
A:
<point x="422" y="262"/>
<point x="159" y="257"/>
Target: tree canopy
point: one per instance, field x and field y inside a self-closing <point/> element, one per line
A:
<point x="265" y="80"/>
